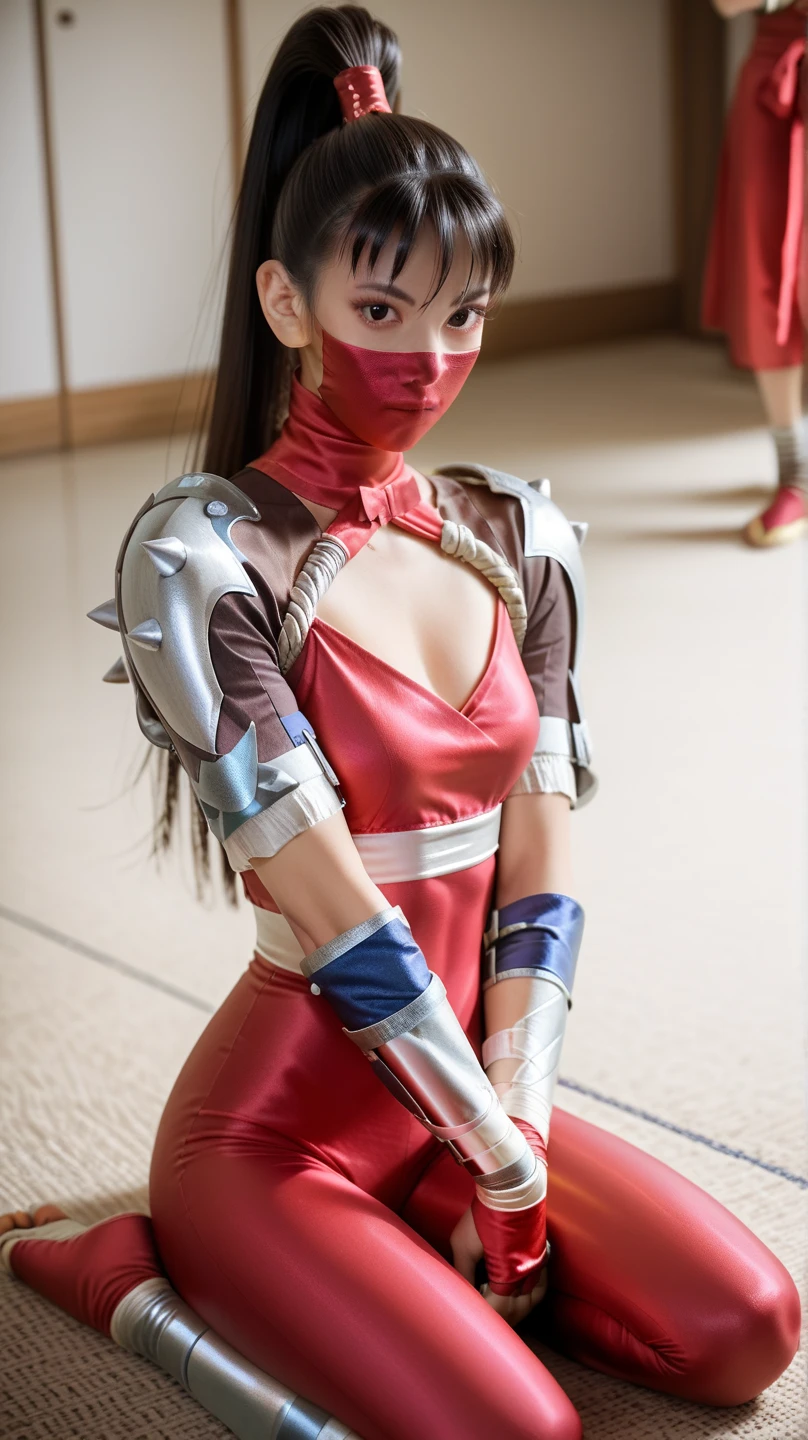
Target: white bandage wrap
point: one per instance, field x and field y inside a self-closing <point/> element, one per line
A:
<point x="547" y="774"/>
<point x="525" y="1058"/>
<point x="517" y="1197"/>
<point x="263" y="835"/>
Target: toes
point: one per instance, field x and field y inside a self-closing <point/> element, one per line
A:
<point x="46" y="1214"/>
<point x="22" y="1220"/>
<point x="15" y="1220"/>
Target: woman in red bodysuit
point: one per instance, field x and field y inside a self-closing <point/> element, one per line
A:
<point x="316" y="1218"/>
<point x="752" y="279"/>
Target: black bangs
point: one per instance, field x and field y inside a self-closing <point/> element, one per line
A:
<point x="384" y="178"/>
<point x="453" y="204"/>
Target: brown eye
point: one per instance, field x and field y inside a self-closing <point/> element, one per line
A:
<point x="377" y="312"/>
<point x="460" y="319"/>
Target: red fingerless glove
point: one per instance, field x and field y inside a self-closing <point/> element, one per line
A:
<point x="514" y="1241"/>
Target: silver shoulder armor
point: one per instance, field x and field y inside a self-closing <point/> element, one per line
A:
<point x="176" y="561"/>
<point x="548" y="532"/>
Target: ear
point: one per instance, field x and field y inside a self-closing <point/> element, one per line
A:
<point x="284" y="308"/>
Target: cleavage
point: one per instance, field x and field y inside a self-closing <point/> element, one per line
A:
<point x="428" y="616"/>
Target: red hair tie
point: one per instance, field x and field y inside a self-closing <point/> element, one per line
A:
<point x="360" y="90"/>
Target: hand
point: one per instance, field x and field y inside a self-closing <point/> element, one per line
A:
<point x="467" y="1247"/>
<point x="514" y="1308"/>
<point x="467" y="1252"/>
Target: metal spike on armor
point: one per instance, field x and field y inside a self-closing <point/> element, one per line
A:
<point x="105" y="615"/>
<point x="147" y="634"/>
<point x="167" y="555"/>
<point x="117" y="674"/>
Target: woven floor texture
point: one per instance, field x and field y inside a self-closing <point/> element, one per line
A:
<point x="690" y="1003"/>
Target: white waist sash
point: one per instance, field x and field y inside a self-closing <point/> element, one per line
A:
<point x="435" y="850"/>
<point x="401" y="855"/>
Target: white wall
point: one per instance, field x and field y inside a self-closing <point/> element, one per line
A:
<point x="566" y="107"/>
<point x="27" y="339"/>
<point x="143" y="182"/>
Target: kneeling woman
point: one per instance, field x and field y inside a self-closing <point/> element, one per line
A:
<point x="344" y="1198"/>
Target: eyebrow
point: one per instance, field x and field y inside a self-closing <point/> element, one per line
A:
<point x="466" y="297"/>
<point x="392" y="290"/>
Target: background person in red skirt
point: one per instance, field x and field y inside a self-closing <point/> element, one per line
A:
<point x="751" y="283"/>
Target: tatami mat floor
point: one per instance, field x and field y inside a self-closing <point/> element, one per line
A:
<point x="688" y="1032"/>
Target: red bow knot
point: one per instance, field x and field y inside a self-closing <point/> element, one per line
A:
<point x="385" y="502"/>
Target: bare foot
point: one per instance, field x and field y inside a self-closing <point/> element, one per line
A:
<point x="25" y="1220"/>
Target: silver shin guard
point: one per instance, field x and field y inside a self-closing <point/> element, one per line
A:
<point x="424" y="1057"/>
<point x="154" y="1322"/>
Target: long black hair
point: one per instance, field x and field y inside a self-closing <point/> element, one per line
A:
<point x="313" y="186"/>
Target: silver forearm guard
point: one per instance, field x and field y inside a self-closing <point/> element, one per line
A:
<point x="424" y="1058"/>
<point x="535" y="940"/>
<point x="533" y="1046"/>
<point x="395" y="1010"/>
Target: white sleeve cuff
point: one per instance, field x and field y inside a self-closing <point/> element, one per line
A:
<point x="263" y="835"/>
<point x="547" y="774"/>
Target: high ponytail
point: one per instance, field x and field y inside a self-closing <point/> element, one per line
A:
<point x="298" y="105"/>
<point x="313" y="185"/>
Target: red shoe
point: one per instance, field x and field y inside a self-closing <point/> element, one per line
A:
<point x="785" y="519"/>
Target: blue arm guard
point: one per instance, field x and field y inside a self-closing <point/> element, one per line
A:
<point x="538" y="935"/>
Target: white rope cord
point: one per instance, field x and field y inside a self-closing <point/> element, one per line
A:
<point x="328" y="557"/>
<point x="319" y="571"/>
<point x="460" y="541"/>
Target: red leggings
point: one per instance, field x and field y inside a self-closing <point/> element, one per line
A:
<point x="305" y="1215"/>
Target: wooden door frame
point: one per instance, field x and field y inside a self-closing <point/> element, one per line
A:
<point x="57" y="306"/>
<point x="698" y="70"/>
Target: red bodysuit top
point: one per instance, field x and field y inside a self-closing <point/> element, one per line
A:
<point x="405" y="758"/>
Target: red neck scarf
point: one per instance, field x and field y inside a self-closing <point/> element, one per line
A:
<point x="319" y="458"/>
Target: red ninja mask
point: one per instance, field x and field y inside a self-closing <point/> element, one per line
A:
<point x="390" y="398"/>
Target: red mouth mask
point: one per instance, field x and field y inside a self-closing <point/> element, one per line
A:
<point x="390" y="398"/>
